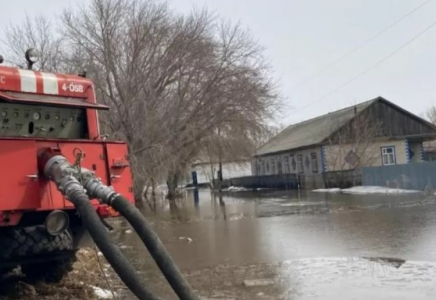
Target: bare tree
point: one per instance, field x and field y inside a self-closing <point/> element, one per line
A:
<point x="430" y="146"/>
<point x="170" y="80"/>
<point x="37" y="33"/>
<point x="353" y="145"/>
<point x="431" y="115"/>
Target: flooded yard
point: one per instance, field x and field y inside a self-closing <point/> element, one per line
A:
<point x="285" y="245"/>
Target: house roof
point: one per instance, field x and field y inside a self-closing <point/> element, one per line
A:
<point x="315" y="131"/>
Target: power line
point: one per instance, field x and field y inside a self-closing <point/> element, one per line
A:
<point x="370" y="68"/>
<point x="355" y="49"/>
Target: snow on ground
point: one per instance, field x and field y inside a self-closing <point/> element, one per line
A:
<point x="377" y="190"/>
<point x="102" y="293"/>
<point x="237" y="189"/>
<point x="364" y="190"/>
<point x="334" y="190"/>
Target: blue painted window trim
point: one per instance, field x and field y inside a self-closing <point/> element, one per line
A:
<point x="421" y="148"/>
<point x="323" y="160"/>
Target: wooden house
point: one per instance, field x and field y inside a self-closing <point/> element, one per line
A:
<point x="372" y="133"/>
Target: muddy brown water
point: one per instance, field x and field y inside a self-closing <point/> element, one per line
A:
<point x="286" y="245"/>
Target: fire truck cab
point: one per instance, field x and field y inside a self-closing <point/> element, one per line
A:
<point x="39" y="110"/>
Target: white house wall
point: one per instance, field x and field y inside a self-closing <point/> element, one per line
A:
<point x="332" y="158"/>
<point x="230" y="170"/>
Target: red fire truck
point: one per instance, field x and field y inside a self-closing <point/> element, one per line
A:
<point x="40" y="229"/>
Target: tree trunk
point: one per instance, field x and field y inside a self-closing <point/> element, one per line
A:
<point x="153" y="189"/>
<point x="172" y="182"/>
<point x="138" y="188"/>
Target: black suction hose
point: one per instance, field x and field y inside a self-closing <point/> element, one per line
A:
<point x="107" y="246"/>
<point x="154" y="245"/>
<point x="58" y="169"/>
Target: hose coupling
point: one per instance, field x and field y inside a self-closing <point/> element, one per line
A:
<point x="58" y="167"/>
<point x="69" y="186"/>
<point x="95" y="188"/>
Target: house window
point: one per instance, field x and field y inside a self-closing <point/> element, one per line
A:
<point x="300" y="164"/>
<point x="314" y="162"/>
<point x="263" y="167"/>
<point x="273" y="166"/>
<point x="388" y="156"/>
<point x="279" y="166"/>
<point x="267" y="168"/>
<point x="287" y="166"/>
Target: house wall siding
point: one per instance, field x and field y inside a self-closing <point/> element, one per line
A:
<point x="372" y="156"/>
<point x="395" y="122"/>
<point x="276" y="163"/>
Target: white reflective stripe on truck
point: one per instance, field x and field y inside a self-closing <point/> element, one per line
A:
<point x="28" y="81"/>
<point x="50" y="83"/>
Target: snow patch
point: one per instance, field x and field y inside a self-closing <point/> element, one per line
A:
<point x="102" y="293"/>
<point x="237" y="189"/>
<point x="376" y="190"/>
<point x="334" y="190"/>
<point x="365" y="190"/>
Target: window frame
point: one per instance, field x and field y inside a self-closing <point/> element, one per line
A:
<point x="394" y="155"/>
<point x="287" y="164"/>
<point x="258" y="168"/>
<point x="273" y="166"/>
<point x="313" y="157"/>
<point x="300" y="163"/>
<point x="279" y="166"/>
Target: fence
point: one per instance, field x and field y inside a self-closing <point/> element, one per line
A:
<point x="416" y="176"/>
<point x="342" y="179"/>
<point x="334" y="179"/>
<point x="282" y="181"/>
<point x="312" y="182"/>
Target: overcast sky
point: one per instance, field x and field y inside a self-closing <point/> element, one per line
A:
<point x="304" y="38"/>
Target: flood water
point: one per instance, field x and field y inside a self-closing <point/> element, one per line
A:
<point x="286" y="245"/>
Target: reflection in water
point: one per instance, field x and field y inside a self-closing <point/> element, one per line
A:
<point x="196" y="197"/>
<point x="395" y="262"/>
<point x="277" y="234"/>
<point x="277" y="225"/>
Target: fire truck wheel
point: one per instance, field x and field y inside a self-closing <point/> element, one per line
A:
<point x="5" y="271"/>
<point x="28" y="242"/>
<point x="51" y="271"/>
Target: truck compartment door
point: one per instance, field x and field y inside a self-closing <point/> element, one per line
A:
<point x="19" y="176"/>
<point x="119" y="170"/>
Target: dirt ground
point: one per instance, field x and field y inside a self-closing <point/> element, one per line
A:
<point x="82" y="283"/>
<point x="318" y="278"/>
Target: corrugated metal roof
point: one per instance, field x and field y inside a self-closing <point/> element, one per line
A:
<point x="311" y="132"/>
